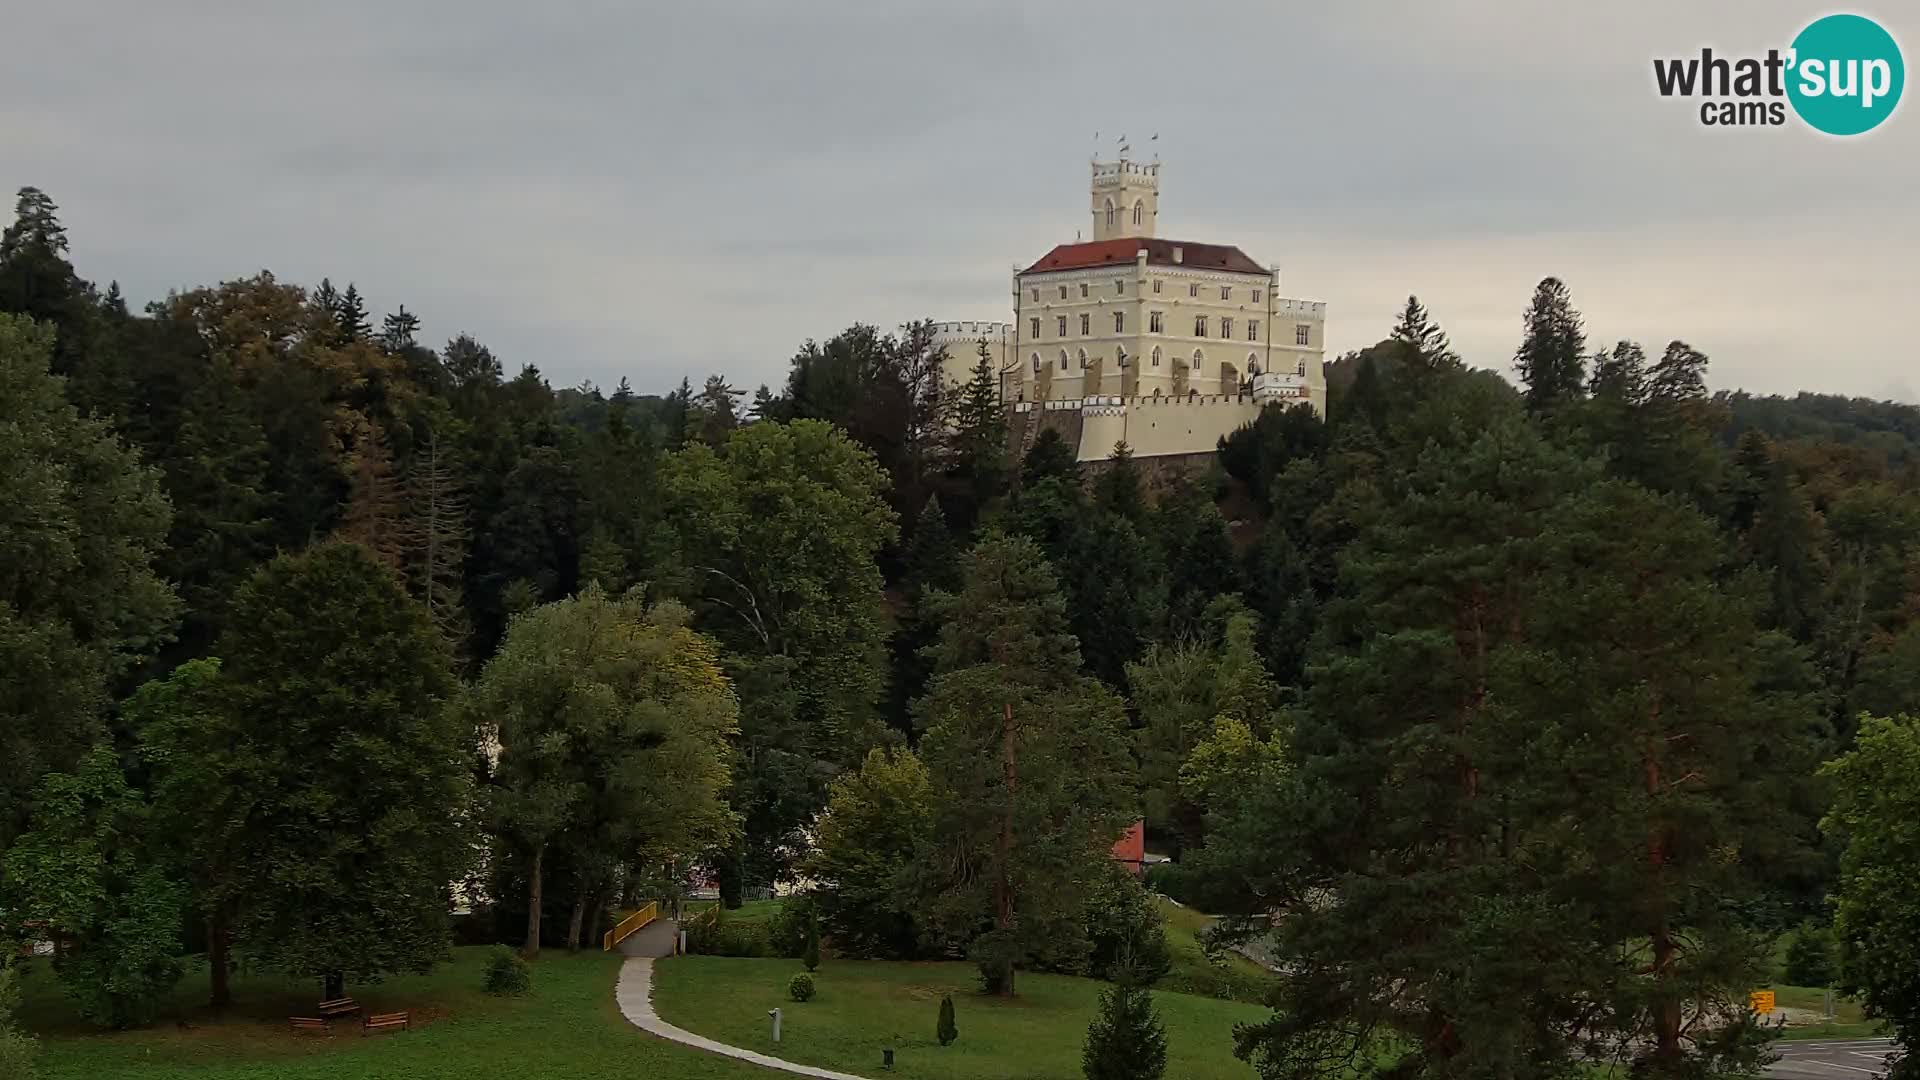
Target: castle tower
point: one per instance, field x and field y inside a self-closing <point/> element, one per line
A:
<point x="1126" y="198"/>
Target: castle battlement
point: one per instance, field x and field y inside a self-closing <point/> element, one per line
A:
<point x="1116" y="173"/>
<point x="972" y="331"/>
<point x="1311" y="310"/>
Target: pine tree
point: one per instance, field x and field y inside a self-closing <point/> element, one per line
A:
<point x="1552" y="356"/>
<point x="1119" y="489"/>
<point x="376" y="515"/>
<point x="978" y="442"/>
<point x="437" y="531"/>
<point x="1126" y="1040"/>
<point x="810" y="955"/>
<point x="945" y="1030"/>
<point x="351" y="315"/>
<point x="1425" y="345"/>
<point x="1029" y="764"/>
<point x="397" y="330"/>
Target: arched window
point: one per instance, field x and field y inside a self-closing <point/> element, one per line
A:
<point x="1199" y="362"/>
<point x="1303" y="368"/>
<point x="1120" y="357"/>
<point x="1109" y="213"/>
<point x="1156" y="356"/>
<point x="1083" y="358"/>
<point x="1139" y="210"/>
<point x="1036" y="363"/>
<point x="1063" y="359"/>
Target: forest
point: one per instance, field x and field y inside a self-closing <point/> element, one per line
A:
<point x="1539" y="707"/>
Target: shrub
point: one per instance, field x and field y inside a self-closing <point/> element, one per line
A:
<point x="715" y="935"/>
<point x="16" y="1047"/>
<point x="787" y="929"/>
<point x="1122" y="924"/>
<point x="1809" y="960"/>
<point x="811" y="955"/>
<point x="1125" y="1041"/>
<point x="945" y="1031"/>
<point x="800" y="987"/>
<point x="507" y="973"/>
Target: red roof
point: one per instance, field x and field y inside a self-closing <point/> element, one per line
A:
<point x="1159" y="252"/>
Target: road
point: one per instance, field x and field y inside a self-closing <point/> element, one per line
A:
<point x="1830" y="1059"/>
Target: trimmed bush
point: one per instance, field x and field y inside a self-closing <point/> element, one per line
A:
<point x="945" y="1031"/>
<point x="507" y="973"/>
<point x="800" y="987"/>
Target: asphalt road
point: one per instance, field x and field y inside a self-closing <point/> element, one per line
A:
<point x="1830" y="1060"/>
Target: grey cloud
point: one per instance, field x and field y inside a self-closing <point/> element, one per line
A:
<point x="666" y="189"/>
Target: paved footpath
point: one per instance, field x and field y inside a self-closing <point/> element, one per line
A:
<point x="635" y="997"/>
<point x="1830" y="1059"/>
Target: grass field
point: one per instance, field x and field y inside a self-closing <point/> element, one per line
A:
<point x="1227" y="975"/>
<point x="863" y="1006"/>
<point x="567" y="1029"/>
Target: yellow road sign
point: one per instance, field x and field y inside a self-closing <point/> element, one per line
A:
<point x="1762" y="1001"/>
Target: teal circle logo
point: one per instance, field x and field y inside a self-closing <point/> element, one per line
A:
<point x="1845" y="74"/>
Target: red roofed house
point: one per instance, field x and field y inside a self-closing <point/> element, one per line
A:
<point x="1131" y="849"/>
<point x="1127" y="326"/>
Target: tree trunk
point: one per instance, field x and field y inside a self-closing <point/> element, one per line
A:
<point x="574" y="922"/>
<point x="728" y="876"/>
<point x="335" y="986"/>
<point x="1003" y="876"/>
<point x="532" y="947"/>
<point x="1666" y="1008"/>
<point x="218" y="968"/>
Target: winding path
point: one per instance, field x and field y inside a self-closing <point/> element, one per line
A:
<point x="635" y="997"/>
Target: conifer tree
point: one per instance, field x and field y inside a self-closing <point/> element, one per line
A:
<point x="945" y="1030"/>
<point x="1029" y="766"/>
<point x="376" y="514"/>
<point x="1126" y="1040"/>
<point x="1552" y="355"/>
<point x="397" y="330"/>
<point x="437" y="531"/>
<point x="351" y="315"/>
<point x="978" y="442"/>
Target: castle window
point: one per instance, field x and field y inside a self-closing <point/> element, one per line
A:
<point x="1226" y="292"/>
<point x="1036" y="296"/>
<point x="1119" y="322"/>
<point x="1083" y="290"/>
<point x="1156" y="285"/>
<point x="1109" y="213"/>
<point x="1119" y="288"/>
<point x="1086" y="324"/>
<point x="1302" y="334"/>
<point x="1256" y="296"/>
<point x="1253" y="329"/>
<point x="1199" y="360"/>
<point x="1033" y="326"/>
<point x="1063" y="292"/>
<point x="1036" y="363"/>
<point x="1156" y="357"/>
<point x="1193" y="290"/>
<point x="1063" y="359"/>
<point x="1226" y="327"/>
<point x="1120" y="358"/>
<point x="1083" y="358"/>
<point x="1139" y="209"/>
<point x="1199" y="326"/>
<point x="1059" y="326"/>
<point x="1302" y="369"/>
<point x="1153" y="321"/>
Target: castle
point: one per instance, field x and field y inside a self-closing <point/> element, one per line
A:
<point x="1166" y="345"/>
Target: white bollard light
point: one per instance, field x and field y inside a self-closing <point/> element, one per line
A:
<point x="775" y="1013"/>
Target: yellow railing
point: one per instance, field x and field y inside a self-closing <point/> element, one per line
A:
<point x="628" y="925"/>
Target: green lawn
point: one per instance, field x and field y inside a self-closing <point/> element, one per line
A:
<point x="567" y="1029"/>
<point x="862" y="1006"/>
<point x="1225" y="975"/>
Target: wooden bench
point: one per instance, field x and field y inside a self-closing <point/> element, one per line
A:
<point x="385" y="1022"/>
<point x="339" y="1007"/>
<point x="310" y="1023"/>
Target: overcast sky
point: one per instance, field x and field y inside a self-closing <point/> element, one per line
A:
<point x="663" y="189"/>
